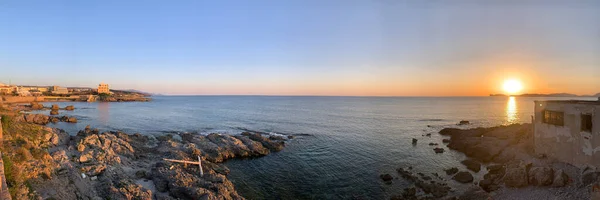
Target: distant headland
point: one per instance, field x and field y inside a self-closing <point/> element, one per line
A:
<point x="547" y="95"/>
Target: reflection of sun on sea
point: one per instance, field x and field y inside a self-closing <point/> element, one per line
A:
<point x="511" y="111"/>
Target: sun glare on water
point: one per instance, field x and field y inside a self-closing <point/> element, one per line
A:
<point x="512" y="86"/>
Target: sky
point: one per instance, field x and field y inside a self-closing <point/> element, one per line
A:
<point x="304" y="47"/>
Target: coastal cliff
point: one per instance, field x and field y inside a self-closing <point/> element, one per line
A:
<point x="48" y="163"/>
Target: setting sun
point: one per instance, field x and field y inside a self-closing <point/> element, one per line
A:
<point x="512" y="86"/>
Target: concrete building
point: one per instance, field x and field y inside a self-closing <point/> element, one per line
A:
<point x="103" y="88"/>
<point x="59" y="90"/>
<point x="568" y="131"/>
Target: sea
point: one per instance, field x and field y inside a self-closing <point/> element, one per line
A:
<point x="341" y="145"/>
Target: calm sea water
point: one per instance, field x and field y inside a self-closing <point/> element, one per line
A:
<point x="342" y="146"/>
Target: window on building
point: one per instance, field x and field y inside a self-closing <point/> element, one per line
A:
<point x="554" y="118"/>
<point x="586" y="123"/>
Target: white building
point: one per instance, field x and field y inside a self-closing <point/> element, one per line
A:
<point x="568" y="131"/>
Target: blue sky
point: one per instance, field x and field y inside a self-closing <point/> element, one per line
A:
<point x="310" y="47"/>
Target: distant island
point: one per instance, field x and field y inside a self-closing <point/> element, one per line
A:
<point x="548" y="95"/>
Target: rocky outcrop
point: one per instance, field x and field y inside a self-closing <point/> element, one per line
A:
<point x="425" y="183"/>
<point x="42" y="119"/>
<point x="490" y="144"/>
<point x="115" y="165"/>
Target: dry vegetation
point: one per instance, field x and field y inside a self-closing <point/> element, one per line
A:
<point x="25" y="155"/>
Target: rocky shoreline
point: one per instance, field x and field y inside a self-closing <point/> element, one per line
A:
<point x="115" y="165"/>
<point x="505" y="157"/>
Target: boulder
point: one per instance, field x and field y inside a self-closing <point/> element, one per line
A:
<point x="438" y="150"/>
<point x="36" y="106"/>
<point x="463" y="177"/>
<point x="70" y="107"/>
<point x="541" y="176"/>
<point x="516" y="175"/>
<point x="54" y="112"/>
<point x="488" y="185"/>
<point x="386" y="177"/>
<point x="446" y="140"/>
<point x="589" y="177"/>
<point x="560" y="178"/>
<point x="433" y="144"/>
<point x="472" y="165"/>
<point x="36" y="119"/>
<point x="55" y="107"/>
<point x="451" y="171"/>
<point x="72" y="120"/>
<point x="414" y="141"/>
<point x="463" y="122"/>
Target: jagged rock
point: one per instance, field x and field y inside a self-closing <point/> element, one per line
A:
<point x="40" y="119"/>
<point x="451" y="171"/>
<point x="94" y="170"/>
<point x="271" y="145"/>
<point x="541" y="176"/>
<point x="70" y="107"/>
<point x="560" y="178"/>
<point x="84" y="158"/>
<point x="463" y="177"/>
<point x="472" y="165"/>
<point x="128" y="190"/>
<point x="438" y="150"/>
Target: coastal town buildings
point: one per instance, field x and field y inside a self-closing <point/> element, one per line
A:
<point x="59" y="90"/>
<point x="6" y="89"/>
<point x="568" y="131"/>
<point x="103" y="88"/>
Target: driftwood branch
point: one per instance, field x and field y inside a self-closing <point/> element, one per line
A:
<point x="199" y="163"/>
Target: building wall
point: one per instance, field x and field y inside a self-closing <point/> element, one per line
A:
<point x="103" y="88"/>
<point x="568" y="143"/>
